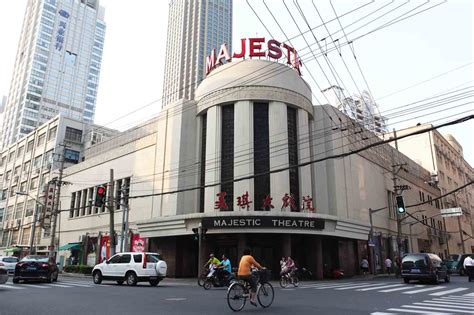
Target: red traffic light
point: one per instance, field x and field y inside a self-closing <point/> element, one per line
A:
<point x="100" y="190"/>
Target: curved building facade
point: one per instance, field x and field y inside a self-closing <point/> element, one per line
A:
<point x="239" y="161"/>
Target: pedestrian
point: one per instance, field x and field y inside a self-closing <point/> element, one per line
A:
<point x="398" y="264"/>
<point x="364" y="265"/>
<point x="469" y="267"/>
<point x="388" y="265"/>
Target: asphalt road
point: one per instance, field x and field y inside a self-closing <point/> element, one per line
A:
<point x="354" y="296"/>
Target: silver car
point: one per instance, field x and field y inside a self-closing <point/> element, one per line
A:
<point x="3" y="274"/>
<point x="9" y="262"/>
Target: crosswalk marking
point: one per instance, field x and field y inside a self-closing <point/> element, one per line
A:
<point x="10" y="287"/>
<point x="435" y="308"/>
<point x="325" y="285"/>
<point x="448" y="291"/>
<point x="28" y="285"/>
<point x="416" y="311"/>
<point x="439" y="305"/>
<point x="338" y="286"/>
<point x="424" y="290"/>
<point x="402" y="288"/>
<point x="358" y="286"/>
<point x="58" y="285"/>
<point x="469" y="294"/>
<point x="382" y="287"/>
<point x="77" y="284"/>
<point x="457" y="299"/>
<point x="450" y="303"/>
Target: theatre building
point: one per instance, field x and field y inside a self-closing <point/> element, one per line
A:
<point x="240" y="159"/>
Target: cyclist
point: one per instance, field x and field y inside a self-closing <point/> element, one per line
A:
<point x="245" y="273"/>
<point x="224" y="269"/>
<point x="212" y="263"/>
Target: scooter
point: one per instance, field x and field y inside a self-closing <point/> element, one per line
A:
<point x="213" y="280"/>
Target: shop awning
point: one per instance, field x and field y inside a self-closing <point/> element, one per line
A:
<point x="13" y="249"/>
<point x="70" y="246"/>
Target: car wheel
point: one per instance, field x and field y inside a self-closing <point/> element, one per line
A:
<point x="154" y="283"/>
<point x="131" y="278"/>
<point x="97" y="277"/>
<point x="447" y="279"/>
<point x="49" y="279"/>
<point x="56" y="274"/>
<point x="406" y="280"/>
<point x="15" y="280"/>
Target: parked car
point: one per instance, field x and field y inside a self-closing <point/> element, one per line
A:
<point x="424" y="267"/>
<point x="36" y="268"/>
<point x="9" y="262"/>
<point x="3" y="273"/>
<point x="131" y="268"/>
<point x="455" y="263"/>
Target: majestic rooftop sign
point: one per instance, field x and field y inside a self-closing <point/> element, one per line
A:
<point x="274" y="50"/>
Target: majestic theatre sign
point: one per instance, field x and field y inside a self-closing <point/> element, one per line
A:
<point x="263" y="222"/>
<point x="274" y="50"/>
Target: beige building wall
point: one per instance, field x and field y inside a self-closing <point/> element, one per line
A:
<point x="443" y="156"/>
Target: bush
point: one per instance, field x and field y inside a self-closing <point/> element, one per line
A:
<point x="83" y="269"/>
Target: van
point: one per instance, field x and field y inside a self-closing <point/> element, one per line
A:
<point x="424" y="267"/>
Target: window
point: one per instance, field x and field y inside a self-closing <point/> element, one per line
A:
<point x="74" y="135"/>
<point x="115" y="259"/>
<point x="70" y="58"/>
<point x="1" y="214"/>
<point x="23" y="186"/>
<point x="41" y="139"/>
<point x="73" y="202"/>
<point x="13" y="190"/>
<point x="48" y="158"/>
<point x="2" y="161"/>
<point x="125" y="259"/>
<point x="8" y="175"/>
<point x="37" y="162"/>
<point x="20" y="151"/>
<point x="29" y="147"/>
<point x="136" y="258"/>
<point x="4" y="194"/>
<point x="30" y="207"/>
<point x="11" y="156"/>
<point x="52" y="133"/>
<point x="19" y="210"/>
<point x="34" y="183"/>
<point x="26" y="167"/>
<point x="9" y="214"/>
<point x="71" y="156"/>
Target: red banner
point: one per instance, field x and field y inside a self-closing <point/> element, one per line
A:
<point x="104" y="251"/>
<point x="138" y="243"/>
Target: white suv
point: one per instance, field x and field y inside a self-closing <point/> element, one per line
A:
<point x="132" y="268"/>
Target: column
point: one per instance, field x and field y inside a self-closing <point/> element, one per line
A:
<point x="278" y="134"/>
<point x="213" y="156"/>
<point x="318" y="268"/>
<point x="243" y="151"/>
<point x="304" y="155"/>
<point x="286" y="245"/>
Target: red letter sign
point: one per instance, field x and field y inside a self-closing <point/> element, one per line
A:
<point x="255" y="47"/>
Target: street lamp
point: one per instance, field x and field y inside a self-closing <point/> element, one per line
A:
<point x="35" y="218"/>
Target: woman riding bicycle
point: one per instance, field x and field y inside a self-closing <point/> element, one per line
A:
<point x="245" y="273"/>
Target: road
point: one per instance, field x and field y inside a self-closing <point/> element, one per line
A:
<point x="379" y="296"/>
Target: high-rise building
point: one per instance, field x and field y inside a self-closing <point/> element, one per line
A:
<point x="195" y="27"/>
<point x="57" y="65"/>
<point x="361" y="108"/>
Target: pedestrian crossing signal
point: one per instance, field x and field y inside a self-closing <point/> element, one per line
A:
<point x="100" y="195"/>
<point x="400" y="205"/>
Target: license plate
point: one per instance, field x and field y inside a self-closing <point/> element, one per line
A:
<point x="31" y="268"/>
<point x="153" y="278"/>
<point x="415" y="270"/>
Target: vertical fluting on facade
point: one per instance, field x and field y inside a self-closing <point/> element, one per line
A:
<point x="213" y="156"/>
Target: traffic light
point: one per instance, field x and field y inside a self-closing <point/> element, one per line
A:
<point x="400" y="205"/>
<point x="196" y="234"/>
<point x="100" y="195"/>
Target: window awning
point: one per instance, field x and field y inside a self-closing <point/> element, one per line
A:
<point x="13" y="249"/>
<point x="70" y="246"/>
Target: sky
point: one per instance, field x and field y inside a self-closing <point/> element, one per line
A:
<point x="415" y="59"/>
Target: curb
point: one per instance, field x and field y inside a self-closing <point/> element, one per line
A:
<point x="74" y="275"/>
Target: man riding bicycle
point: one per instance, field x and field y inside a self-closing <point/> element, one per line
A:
<point x="245" y="273"/>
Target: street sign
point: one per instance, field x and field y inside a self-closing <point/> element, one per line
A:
<point x="451" y="212"/>
<point x="371" y="243"/>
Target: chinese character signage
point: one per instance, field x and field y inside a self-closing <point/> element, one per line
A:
<point x="104" y="252"/>
<point x="61" y="32"/>
<point x="220" y="203"/>
<point x="48" y="206"/>
<point x="138" y="243"/>
<point x="243" y="201"/>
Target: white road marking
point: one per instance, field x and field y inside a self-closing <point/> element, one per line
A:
<point x="324" y="285"/>
<point x="450" y="303"/>
<point x="77" y="284"/>
<point x="457" y="299"/>
<point x="382" y="313"/>
<point x="443" y="305"/>
<point x="175" y="299"/>
<point x="402" y="288"/>
<point x="449" y="291"/>
<point x="58" y="285"/>
<point x="435" y="308"/>
<point x="423" y="290"/>
<point x="338" y="286"/>
<point x="416" y="311"/>
<point x="34" y="286"/>
<point x="469" y="294"/>
<point x="358" y="286"/>
<point x="10" y="287"/>
<point x="382" y="287"/>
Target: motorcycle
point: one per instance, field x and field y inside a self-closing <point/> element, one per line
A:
<point x="213" y="280"/>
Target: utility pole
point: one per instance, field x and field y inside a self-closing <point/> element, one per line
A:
<point x="395" y="191"/>
<point x="33" y="229"/>
<point x="59" y="183"/>
<point x="111" y="214"/>
<point x="459" y="225"/>
<point x="123" y="242"/>
<point x="371" y="242"/>
<point x="199" y="249"/>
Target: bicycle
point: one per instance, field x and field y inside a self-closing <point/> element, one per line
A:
<point x="289" y="277"/>
<point x="238" y="292"/>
